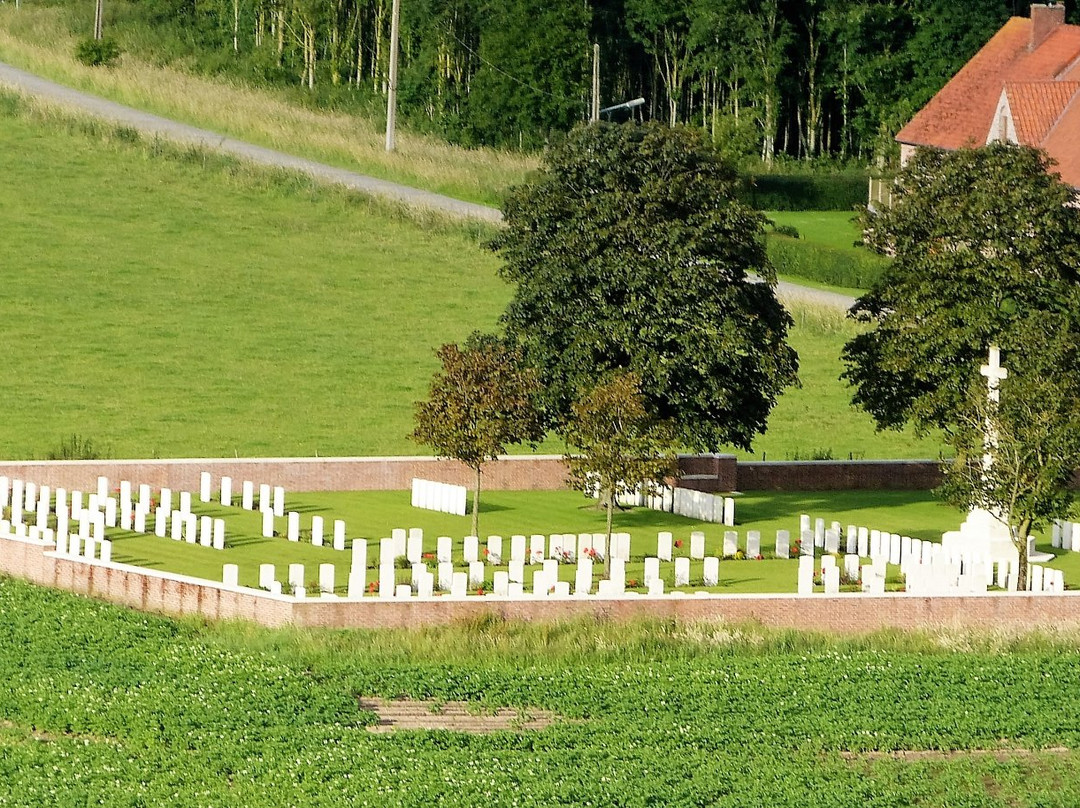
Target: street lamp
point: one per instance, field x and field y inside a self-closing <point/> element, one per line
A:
<point x="627" y="105"/>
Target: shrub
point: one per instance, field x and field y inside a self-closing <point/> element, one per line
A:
<point x="788" y="230"/>
<point x="855" y="269"/>
<point x="804" y="191"/>
<point x="97" y="52"/>
<point x="75" y="448"/>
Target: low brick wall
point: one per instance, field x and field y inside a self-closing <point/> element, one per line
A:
<point x="711" y="472"/>
<point x="515" y="472"/>
<point x="175" y="595"/>
<point x="839" y="475"/>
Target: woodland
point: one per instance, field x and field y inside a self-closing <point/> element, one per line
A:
<point x="771" y="80"/>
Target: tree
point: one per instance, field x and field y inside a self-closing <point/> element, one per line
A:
<point x="481" y="401"/>
<point x="987" y="252"/>
<point x="621" y="445"/>
<point x="629" y="252"/>
<point x="1034" y="446"/>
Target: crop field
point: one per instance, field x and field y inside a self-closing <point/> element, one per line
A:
<point x="165" y="302"/>
<point x="104" y="706"/>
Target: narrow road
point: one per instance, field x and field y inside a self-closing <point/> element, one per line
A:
<point x="149" y="124"/>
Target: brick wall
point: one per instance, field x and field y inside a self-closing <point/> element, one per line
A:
<point x="839" y="475"/>
<point x="516" y="472"/>
<point x="711" y="472"/>
<point x="154" y="591"/>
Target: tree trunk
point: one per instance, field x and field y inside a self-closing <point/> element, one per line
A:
<point x="236" y="26"/>
<point x="476" y="505"/>
<point x="1020" y="540"/>
<point x="610" y="515"/>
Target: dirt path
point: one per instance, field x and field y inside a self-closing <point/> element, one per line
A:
<point x="155" y="125"/>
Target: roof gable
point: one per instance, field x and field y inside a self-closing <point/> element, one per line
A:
<point x="1035" y="107"/>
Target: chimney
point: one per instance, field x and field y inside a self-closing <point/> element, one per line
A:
<point x="1044" y="19"/>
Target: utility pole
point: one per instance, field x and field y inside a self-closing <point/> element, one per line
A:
<point x="99" y="19"/>
<point x="594" y="115"/>
<point x="391" y="95"/>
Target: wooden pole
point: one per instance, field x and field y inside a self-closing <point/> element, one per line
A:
<point x="595" y="114"/>
<point x="99" y="19"/>
<point x="391" y="95"/>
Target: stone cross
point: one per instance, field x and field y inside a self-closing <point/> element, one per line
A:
<point x="994" y="373"/>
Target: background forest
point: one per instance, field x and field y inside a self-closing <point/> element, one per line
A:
<point x="769" y="79"/>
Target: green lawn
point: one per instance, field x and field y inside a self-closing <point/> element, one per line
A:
<point x="373" y="515"/>
<point x="166" y="303"/>
<point x="832" y="228"/>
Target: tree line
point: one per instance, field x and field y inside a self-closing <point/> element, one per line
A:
<point x="801" y="78"/>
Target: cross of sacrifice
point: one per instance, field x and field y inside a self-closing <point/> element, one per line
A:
<point x="994" y="373"/>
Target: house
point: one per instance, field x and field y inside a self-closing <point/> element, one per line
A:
<point x="1023" y="86"/>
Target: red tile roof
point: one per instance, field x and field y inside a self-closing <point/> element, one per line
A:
<point x="1036" y="106"/>
<point x="1043" y="90"/>
<point x="1063" y="143"/>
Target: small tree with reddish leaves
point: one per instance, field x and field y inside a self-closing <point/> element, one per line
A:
<point x="480" y="402"/>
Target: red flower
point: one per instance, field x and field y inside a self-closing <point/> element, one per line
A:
<point x="678" y="542"/>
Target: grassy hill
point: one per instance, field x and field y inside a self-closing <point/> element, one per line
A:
<point x="166" y="302"/>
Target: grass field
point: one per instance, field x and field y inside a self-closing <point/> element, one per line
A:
<point x="373" y="515"/>
<point x="39" y="39"/>
<point x="831" y="228"/>
<point x="164" y="302"/>
<point x="105" y="706"/>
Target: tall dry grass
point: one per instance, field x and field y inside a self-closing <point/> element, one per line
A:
<point x="37" y="39"/>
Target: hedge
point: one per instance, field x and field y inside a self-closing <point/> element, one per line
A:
<point x="854" y="269"/>
<point x="804" y="191"/>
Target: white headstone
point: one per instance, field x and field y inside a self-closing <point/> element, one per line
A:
<point x="494" y="550"/>
<point x="697" y="544"/>
<point x="414" y="547"/>
<point x="317" y="531"/>
<point x="279" y="501"/>
<point x="806" y="573"/>
<point x="226" y="491"/>
<point x="536" y="549"/>
<point x="230" y="575"/>
<point x="729" y="511"/>
<point x="445" y="572"/>
<point x="682" y="572"/>
<point x="517" y="572"/>
<point x="832" y="581"/>
<point x="753" y="543"/>
<point x="219" y="534"/>
<point x="185" y="502"/>
<point x="584" y="577"/>
<point x="476" y="573"/>
<point x="206" y="531"/>
<point x="326" y="578"/>
<point x="663" y="546"/>
<point x="501" y="584"/>
<point x="265" y="503"/>
<point x="339" y="535"/>
<point x="711" y="573"/>
<point x="204" y="486"/>
<point x="102" y="487"/>
<point x="247" y="496"/>
<point x="517" y="548"/>
<point x="268" y="524"/>
<point x="783" y="544"/>
<point x="471" y="549"/>
<point x="731" y="543"/>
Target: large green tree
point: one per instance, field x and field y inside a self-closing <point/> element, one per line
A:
<point x="983" y="239"/>
<point x="628" y="251"/>
<point x="481" y="401"/>
<point x="987" y="252"/>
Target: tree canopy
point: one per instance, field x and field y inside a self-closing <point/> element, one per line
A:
<point x="621" y="445"/>
<point x="481" y="401"/>
<point x="984" y="241"/>
<point x="629" y="252"/>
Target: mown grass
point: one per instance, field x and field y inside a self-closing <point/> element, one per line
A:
<point x="373" y="515"/>
<point x="167" y="302"/>
<point x="40" y="39"/>
<point x="830" y="228"/>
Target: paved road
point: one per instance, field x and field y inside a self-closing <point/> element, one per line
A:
<point x="172" y="130"/>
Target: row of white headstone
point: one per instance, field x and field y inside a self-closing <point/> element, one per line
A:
<point x="699" y="505"/>
<point x="102" y="511"/>
<point x="442" y="497"/>
<point x="1065" y="535"/>
<point x="871" y="577"/>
